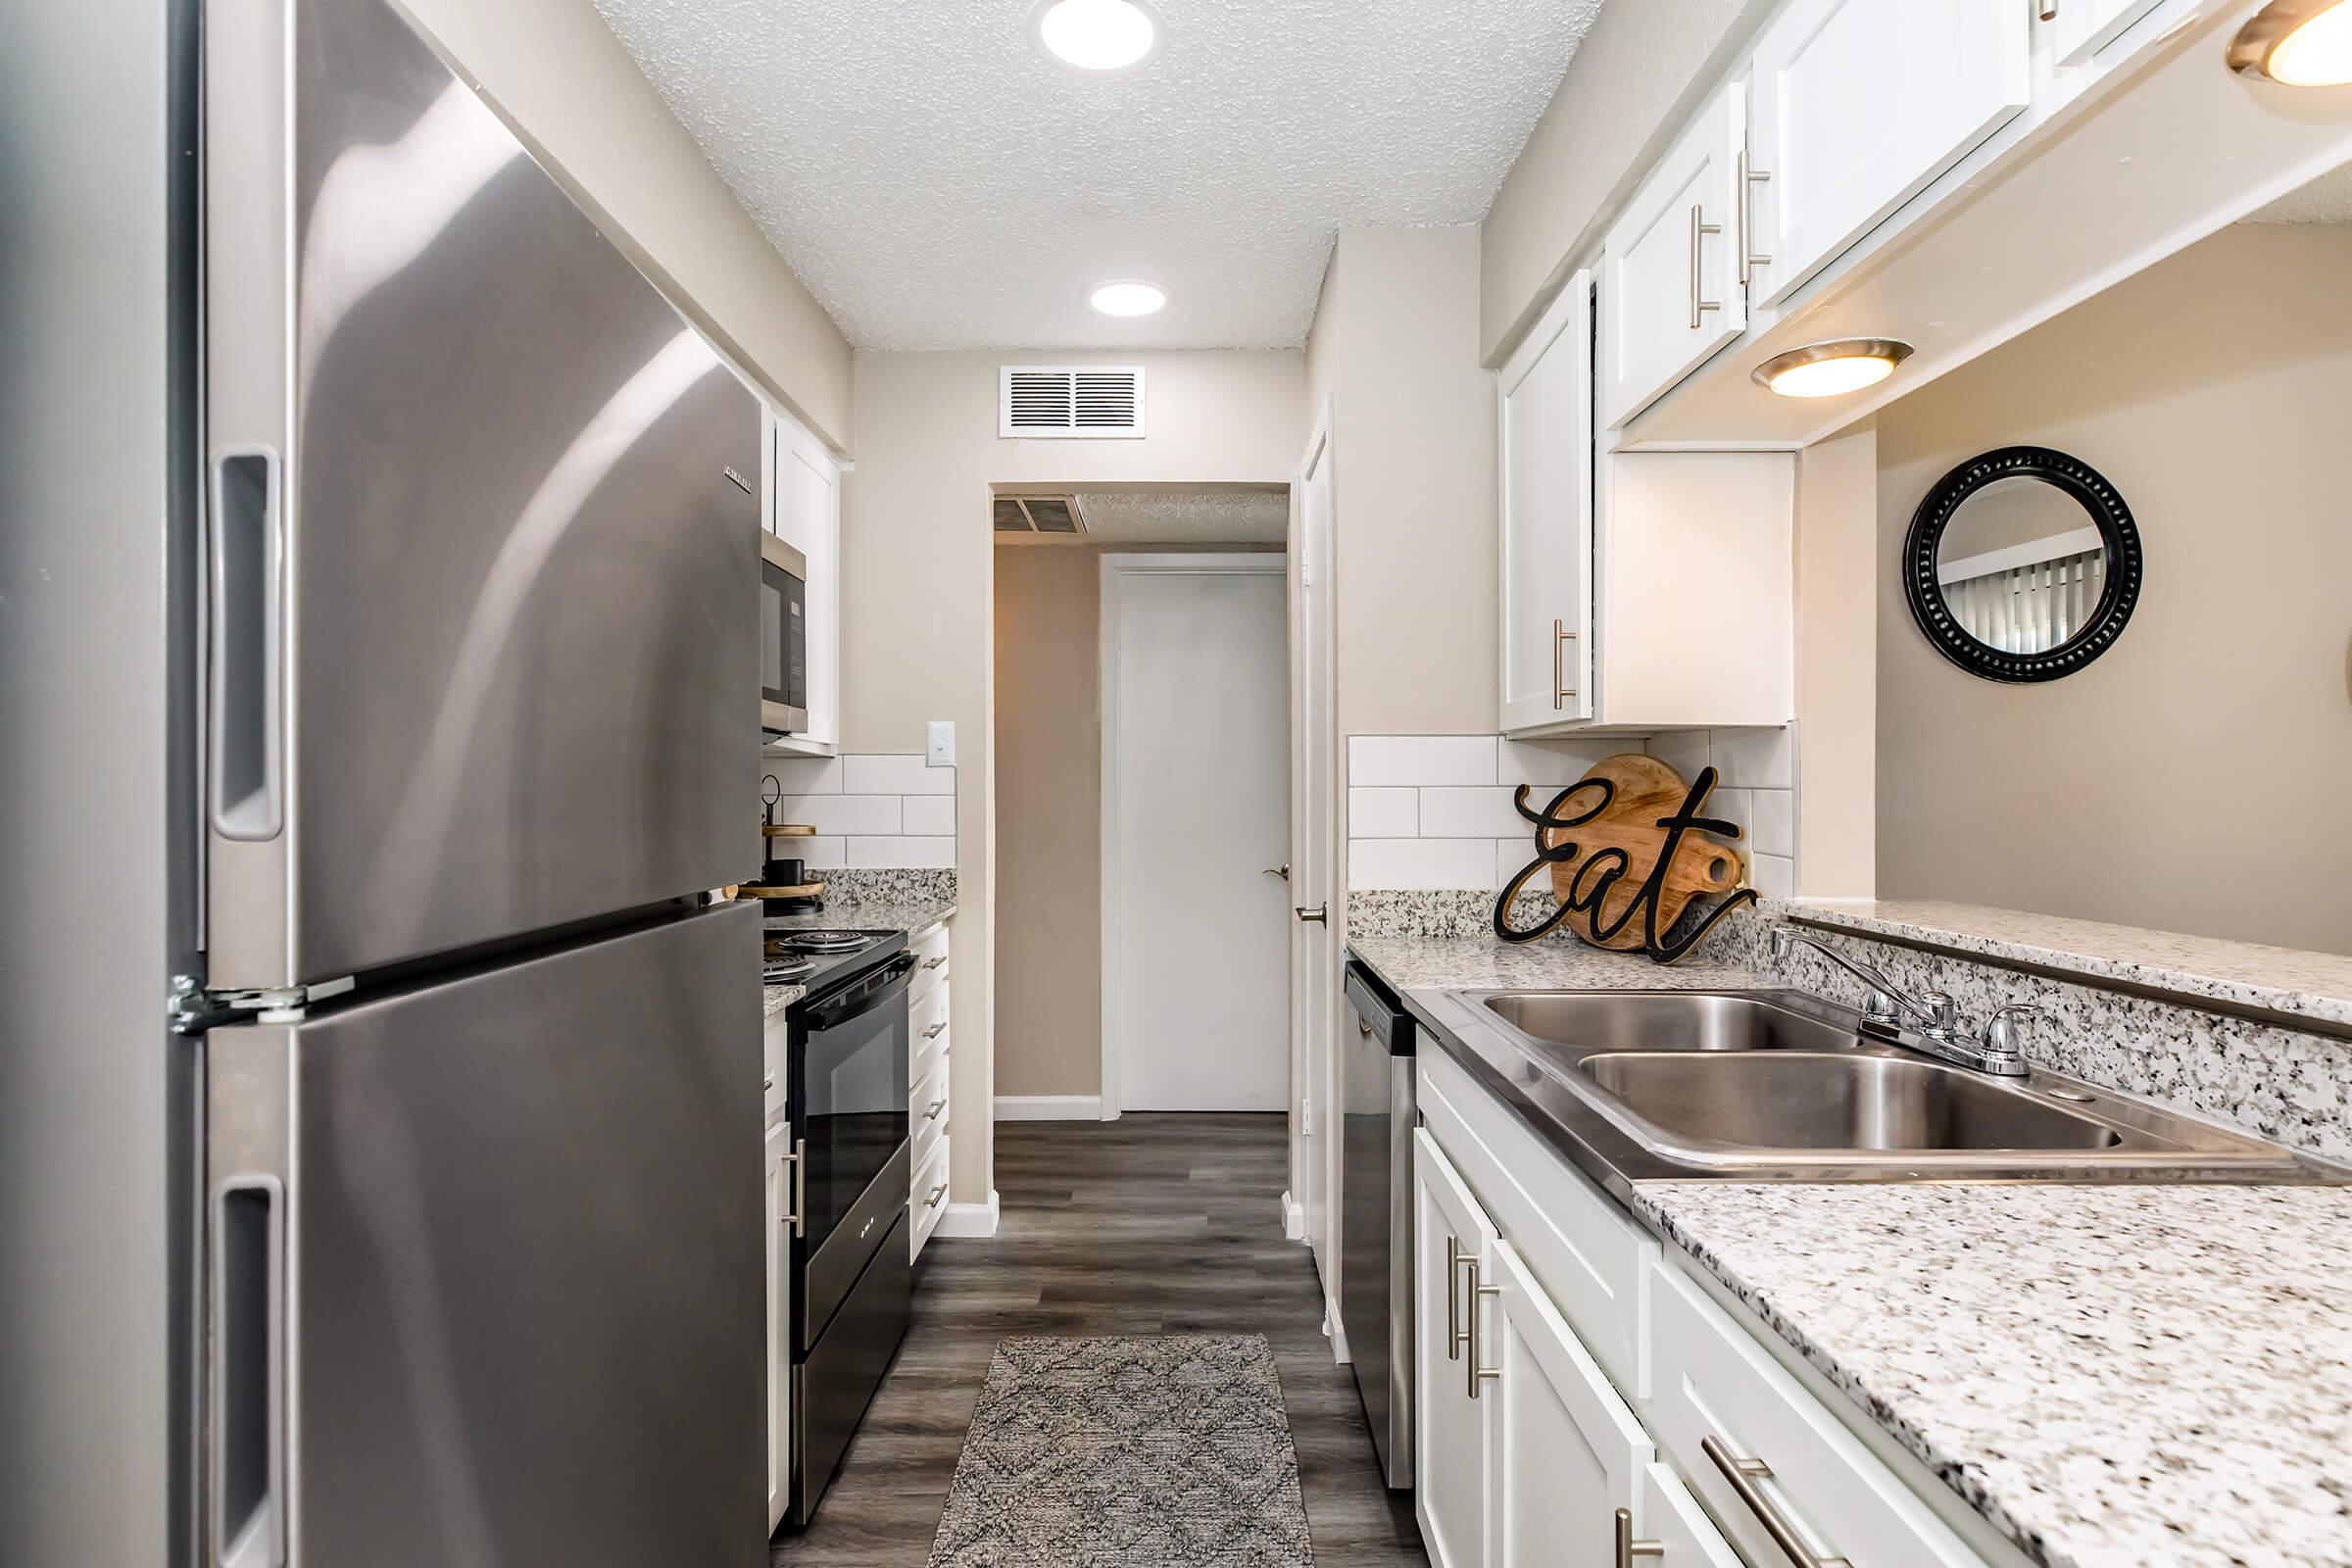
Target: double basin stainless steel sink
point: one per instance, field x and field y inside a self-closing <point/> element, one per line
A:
<point x="1753" y="1083"/>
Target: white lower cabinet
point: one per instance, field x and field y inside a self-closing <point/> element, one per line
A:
<point x="1567" y="1450"/>
<point x="779" y="1317"/>
<point x="1532" y="1451"/>
<point x="1451" y="1238"/>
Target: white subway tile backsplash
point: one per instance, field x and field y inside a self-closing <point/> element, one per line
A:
<point x="804" y="775"/>
<point x="1420" y="760"/>
<point x="1448" y="813"/>
<point x="1685" y="751"/>
<point x="1772" y="828"/>
<point x="1772" y="875"/>
<point x="1384" y="813"/>
<point x="928" y="815"/>
<point x="1510" y="854"/>
<point x="1760" y="758"/>
<point x="1420" y="864"/>
<point x="1554" y="764"/>
<point x="1733" y="806"/>
<point x="838" y="814"/>
<point x="900" y="851"/>
<point x="822" y="852"/>
<point x="896" y="775"/>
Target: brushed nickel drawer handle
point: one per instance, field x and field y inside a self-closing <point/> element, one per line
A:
<point x="1628" y="1548"/>
<point x="934" y="1032"/>
<point x="1453" y="1302"/>
<point x="1478" y="1374"/>
<point x="798" y="1217"/>
<point x="1699" y="226"/>
<point x="1742" y="1476"/>
<point x="1744" y="193"/>
<point x="933" y="964"/>
<point x="931" y="1111"/>
<point x="1561" y="691"/>
<point x="937" y="1193"/>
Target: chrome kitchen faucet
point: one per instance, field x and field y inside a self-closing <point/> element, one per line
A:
<point x="1940" y="1034"/>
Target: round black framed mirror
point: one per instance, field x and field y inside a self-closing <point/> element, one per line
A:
<point x="2023" y="563"/>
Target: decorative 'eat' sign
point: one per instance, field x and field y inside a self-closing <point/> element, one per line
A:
<point x="1628" y="851"/>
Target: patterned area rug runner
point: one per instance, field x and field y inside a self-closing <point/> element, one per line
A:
<point x="1127" y="1451"/>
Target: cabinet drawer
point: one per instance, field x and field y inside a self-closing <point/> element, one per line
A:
<point x="1664" y="1511"/>
<point x="1588" y="1254"/>
<point x="928" y="1203"/>
<point x="930" y="962"/>
<point x="927" y="1022"/>
<point x="775" y="1045"/>
<point x="927" y="1114"/>
<point x="1720" y="1400"/>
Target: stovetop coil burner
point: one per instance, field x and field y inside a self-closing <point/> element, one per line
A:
<point x="825" y="941"/>
<point x="784" y="971"/>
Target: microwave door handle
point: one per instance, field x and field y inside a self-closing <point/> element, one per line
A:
<point x="874" y="994"/>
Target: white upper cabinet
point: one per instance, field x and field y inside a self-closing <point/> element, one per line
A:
<point x="1670" y="290"/>
<point x="803" y="485"/>
<point x="1857" y="106"/>
<point x="2081" y="28"/>
<point x="1545" y="420"/>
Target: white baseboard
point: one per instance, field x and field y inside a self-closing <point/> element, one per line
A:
<point x="1336" y="1332"/>
<point x="1294" y="1219"/>
<point x="971" y="1220"/>
<point x="1048" y="1108"/>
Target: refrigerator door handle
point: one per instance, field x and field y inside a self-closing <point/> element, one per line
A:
<point x="245" y="617"/>
<point x="246" y="1352"/>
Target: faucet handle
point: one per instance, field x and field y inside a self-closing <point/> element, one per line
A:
<point x="1943" y="1013"/>
<point x="2005" y="1031"/>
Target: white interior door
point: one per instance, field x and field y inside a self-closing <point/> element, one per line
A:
<point x="1196" y="791"/>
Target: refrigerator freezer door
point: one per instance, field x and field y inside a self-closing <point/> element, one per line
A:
<point x="483" y="612"/>
<point x="484" y="1267"/>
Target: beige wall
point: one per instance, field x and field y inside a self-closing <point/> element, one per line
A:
<point x="2194" y="779"/>
<point x="557" y="75"/>
<point x="917" y="587"/>
<point x="1622" y="96"/>
<point x="1395" y="347"/>
<point x="1836" y="678"/>
<point x="1048" y="751"/>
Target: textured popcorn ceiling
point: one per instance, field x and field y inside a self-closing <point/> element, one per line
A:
<point x="941" y="185"/>
<point x="2326" y="200"/>
<point x="1223" y="518"/>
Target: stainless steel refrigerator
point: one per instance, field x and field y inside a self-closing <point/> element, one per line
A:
<point x="471" y="1167"/>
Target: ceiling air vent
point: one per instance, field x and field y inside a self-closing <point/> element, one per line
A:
<point x="1072" y="400"/>
<point x="1039" y="515"/>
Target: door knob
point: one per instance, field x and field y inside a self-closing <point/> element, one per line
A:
<point x="1320" y="915"/>
<point x="1283" y="872"/>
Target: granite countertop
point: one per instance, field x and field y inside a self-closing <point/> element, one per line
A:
<point x="2116" y="1376"/>
<point x="914" y="915"/>
<point x="2312" y="987"/>
<point x="775" y="999"/>
<point x="1550" y="963"/>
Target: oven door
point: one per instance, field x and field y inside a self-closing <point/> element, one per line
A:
<point x="849" y="1111"/>
<point x="783" y="637"/>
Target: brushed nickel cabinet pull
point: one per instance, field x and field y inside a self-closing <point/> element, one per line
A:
<point x="934" y="1032"/>
<point x="1742" y="210"/>
<point x="1628" y="1548"/>
<point x="1742" y="1476"/>
<point x="937" y="1193"/>
<point x="933" y="964"/>
<point x="1561" y="691"/>
<point x="1699" y="226"/>
<point x="932" y="1110"/>
<point x="1478" y="1374"/>
<point x="1453" y="1302"/>
<point x="799" y="1186"/>
<point x="2049" y="10"/>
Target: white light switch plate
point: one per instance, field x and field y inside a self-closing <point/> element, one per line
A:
<point x="942" y="752"/>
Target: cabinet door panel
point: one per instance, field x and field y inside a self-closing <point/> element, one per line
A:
<point x="1546" y="477"/>
<point x="1567" y="1451"/>
<point x="1451" y="1429"/>
<point x="1669" y="294"/>
<point x="779" y="1318"/>
<point x="1665" y="1512"/>
<point x="1858" y="106"/>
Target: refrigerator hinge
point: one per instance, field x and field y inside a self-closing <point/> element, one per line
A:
<point x="194" y="1009"/>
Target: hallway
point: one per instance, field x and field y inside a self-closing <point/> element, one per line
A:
<point x="1152" y="1224"/>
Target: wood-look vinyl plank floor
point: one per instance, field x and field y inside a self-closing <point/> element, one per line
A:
<point x="1150" y="1224"/>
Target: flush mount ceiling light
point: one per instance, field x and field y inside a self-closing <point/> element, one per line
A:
<point x="2297" y="43"/>
<point x="1097" y="37"/>
<point x="1126" y="296"/>
<point x="1828" y="370"/>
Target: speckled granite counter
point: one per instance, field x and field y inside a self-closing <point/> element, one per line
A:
<point x="2116" y="1376"/>
<point x="775" y="999"/>
<point x="1553" y="964"/>
<point x="913" y="916"/>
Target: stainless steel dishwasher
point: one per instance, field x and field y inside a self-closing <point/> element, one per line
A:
<point x="1376" y="1215"/>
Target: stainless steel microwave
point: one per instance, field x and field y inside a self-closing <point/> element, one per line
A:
<point x="783" y="637"/>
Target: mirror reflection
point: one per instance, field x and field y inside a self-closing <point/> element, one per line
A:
<point x="2022" y="566"/>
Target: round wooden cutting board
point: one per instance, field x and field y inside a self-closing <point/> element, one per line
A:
<point x="1647" y="791"/>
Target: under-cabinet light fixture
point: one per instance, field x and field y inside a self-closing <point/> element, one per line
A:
<point x="1829" y="369"/>
<point x="2297" y="43"/>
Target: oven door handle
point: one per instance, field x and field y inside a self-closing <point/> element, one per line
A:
<point x="870" y="995"/>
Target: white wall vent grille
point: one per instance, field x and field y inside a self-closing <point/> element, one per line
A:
<point x="1070" y="400"/>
